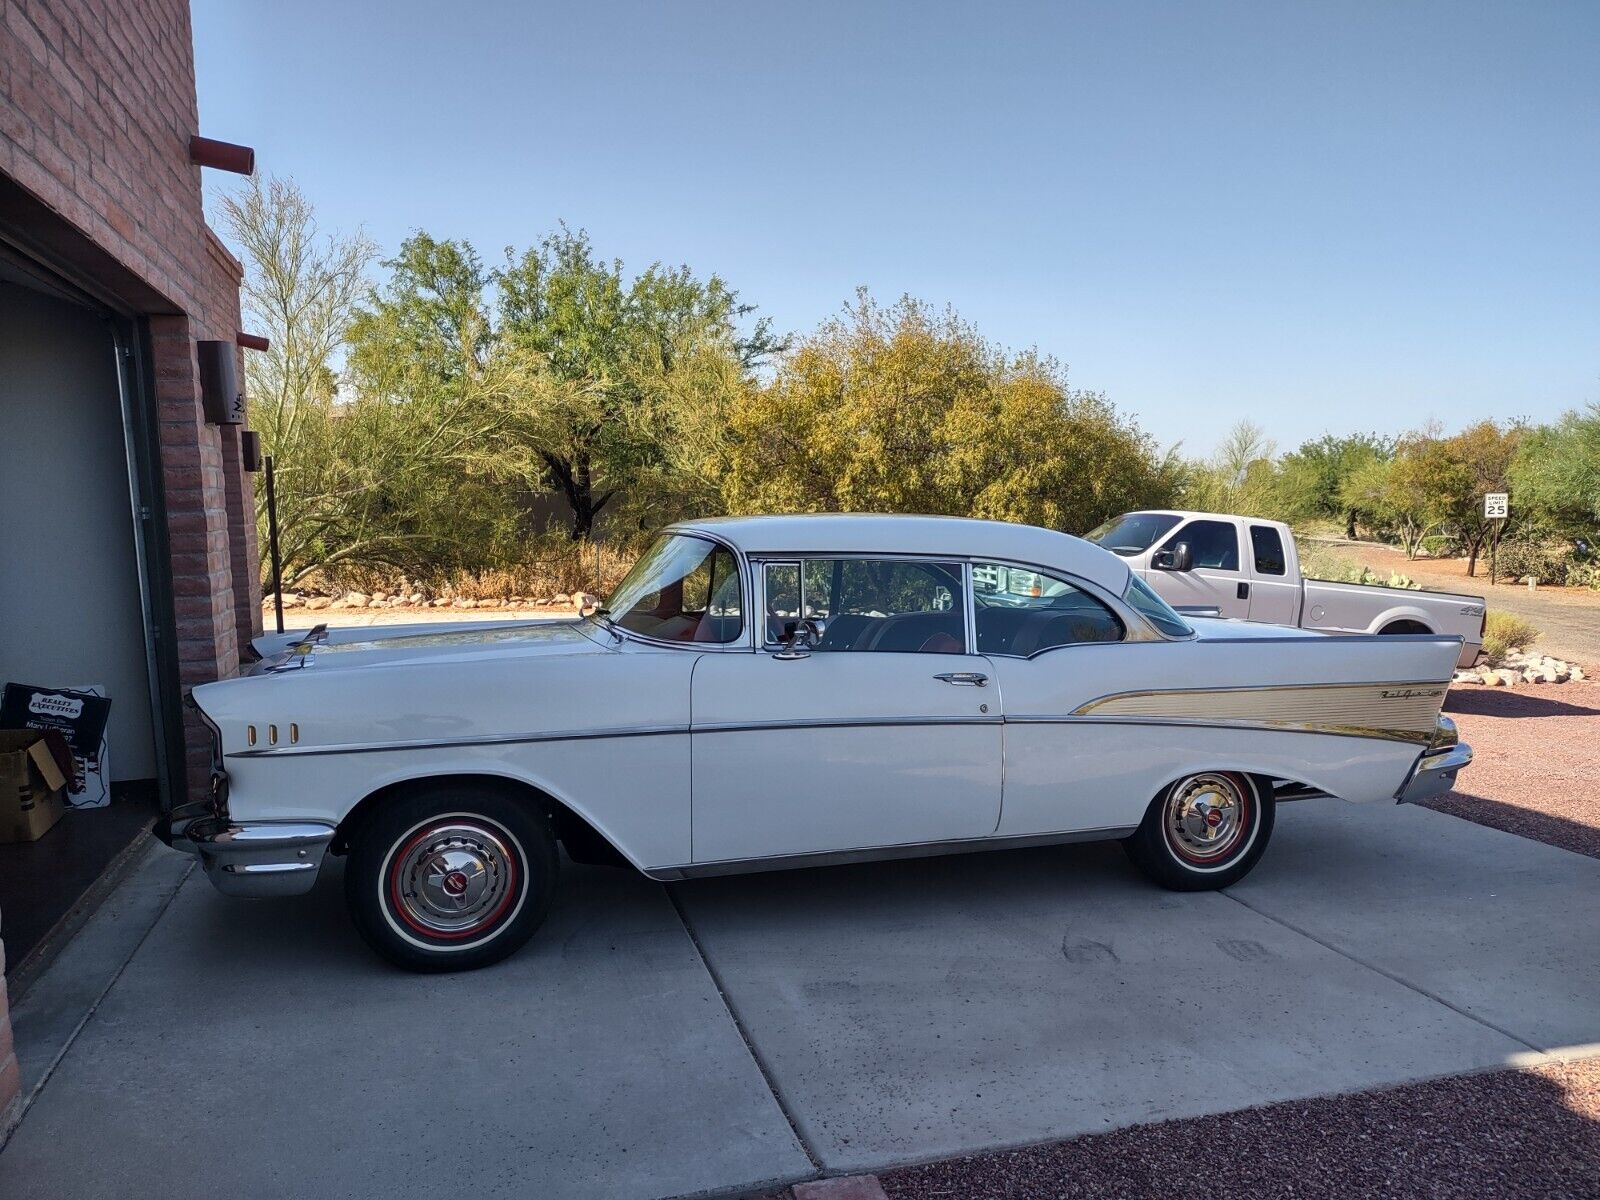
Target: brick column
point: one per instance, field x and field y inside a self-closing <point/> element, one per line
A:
<point x="244" y="560"/>
<point x="195" y="485"/>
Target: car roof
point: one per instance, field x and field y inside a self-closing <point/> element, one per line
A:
<point x="882" y="533"/>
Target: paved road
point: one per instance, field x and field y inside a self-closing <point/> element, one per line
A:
<point x="729" y="1034"/>
<point x="1568" y="618"/>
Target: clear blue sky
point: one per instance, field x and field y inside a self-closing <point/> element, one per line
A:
<point x="1329" y="217"/>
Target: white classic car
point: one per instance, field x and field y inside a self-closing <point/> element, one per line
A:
<point x="780" y="691"/>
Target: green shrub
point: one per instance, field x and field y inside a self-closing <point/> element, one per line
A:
<point x="1519" y="558"/>
<point x="1584" y="574"/>
<point x="1504" y="632"/>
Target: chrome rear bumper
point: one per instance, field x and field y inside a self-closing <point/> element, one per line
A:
<point x="262" y="858"/>
<point x="1435" y="772"/>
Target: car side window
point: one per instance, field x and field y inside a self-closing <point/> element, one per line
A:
<point x="1213" y="544"/>
<point x="1268" y="547"/>
<point x="1021" y="612"/>
<point x="869" y="605"/>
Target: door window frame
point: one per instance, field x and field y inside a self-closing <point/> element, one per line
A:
<point x="1176" y="536"/>
<point x="760" y="562"/>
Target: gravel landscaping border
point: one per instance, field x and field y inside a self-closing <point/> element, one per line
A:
<point x="1536" y="762"/>
<point x="1504" y="1134"/>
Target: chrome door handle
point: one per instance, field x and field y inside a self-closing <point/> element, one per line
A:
<point x="963" y="678"/>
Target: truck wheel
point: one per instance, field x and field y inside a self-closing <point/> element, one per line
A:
<point x="1204" y="832"/>
<point x="451" y="877"/>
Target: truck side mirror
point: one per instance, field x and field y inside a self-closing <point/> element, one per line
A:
<point x="1179" y="558"/>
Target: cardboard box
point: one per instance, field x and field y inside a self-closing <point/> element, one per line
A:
<point x="33" y="791"/>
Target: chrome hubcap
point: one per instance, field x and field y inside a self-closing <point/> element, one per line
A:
<point x="452" y="877"/>
<point x="1206" y="817"/>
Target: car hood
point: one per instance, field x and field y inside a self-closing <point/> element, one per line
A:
<point x="351" y="648"/>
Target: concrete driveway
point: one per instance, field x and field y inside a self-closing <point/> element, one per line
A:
<point x="729" y="1034"/>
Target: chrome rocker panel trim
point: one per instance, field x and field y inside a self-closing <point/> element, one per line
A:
<point x="872" y="854"/>
<point x="1435" y="773"/>
<point x="263" y="858"/>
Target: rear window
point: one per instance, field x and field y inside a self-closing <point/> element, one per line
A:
<point x="1268" y="547"/>
<point x="1155" y="610"/>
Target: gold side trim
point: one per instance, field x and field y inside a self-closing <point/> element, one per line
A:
<point x="1406" y="712"/>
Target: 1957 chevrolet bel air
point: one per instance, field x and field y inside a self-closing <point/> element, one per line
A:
<point x="777" y="691"/>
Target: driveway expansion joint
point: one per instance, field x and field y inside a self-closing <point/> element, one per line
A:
<point x="767" y="1076"/>
<point x="1541" y="1051"/>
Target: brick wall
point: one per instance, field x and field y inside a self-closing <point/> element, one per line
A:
<point x="97" y="105"/>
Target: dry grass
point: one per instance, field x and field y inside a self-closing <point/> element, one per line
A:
<point x="1504" y="632"/>
<point x="559" y="569"/>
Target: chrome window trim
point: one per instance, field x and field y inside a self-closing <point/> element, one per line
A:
<point x="765" y="610"/>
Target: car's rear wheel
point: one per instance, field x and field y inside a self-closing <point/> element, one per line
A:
<point x="450" y="877"/>
<point x="1205" y="831"/>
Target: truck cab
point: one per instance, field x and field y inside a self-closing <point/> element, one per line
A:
<point x="1244" y="568"/>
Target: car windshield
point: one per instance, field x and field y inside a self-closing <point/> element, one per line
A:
<point x="1155" y="610"/>
<point x="683" y="589"/>
<point x="1131" y="533"/>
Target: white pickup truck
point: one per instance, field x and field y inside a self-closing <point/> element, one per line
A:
<point x="1249" y="569"/>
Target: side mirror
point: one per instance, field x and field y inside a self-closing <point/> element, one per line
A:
<point x="801" y="638"/>
<point x="1179" y="558"/>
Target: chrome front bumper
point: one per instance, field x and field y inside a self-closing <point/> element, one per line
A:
<point x="1435" y="772"/>
<point x="262" y="858"/>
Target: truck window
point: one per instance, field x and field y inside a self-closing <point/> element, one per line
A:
<point x="1268" y="547"/>
<point x="1213" y="544"/>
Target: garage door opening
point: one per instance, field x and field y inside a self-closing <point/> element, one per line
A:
<point x="73" y="602"/>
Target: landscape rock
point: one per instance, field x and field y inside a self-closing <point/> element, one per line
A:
<point x="415" y="598"/>
<point x="318" y="602"/>
<point x="356" y="599"/>
<point x="563" y="598"/>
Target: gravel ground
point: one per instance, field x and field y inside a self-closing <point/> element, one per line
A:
<point x="1515" y="1133"/>
<point x="1536" y="761"/>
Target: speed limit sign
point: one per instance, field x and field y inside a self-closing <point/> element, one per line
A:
<point x="1496" y="505"/>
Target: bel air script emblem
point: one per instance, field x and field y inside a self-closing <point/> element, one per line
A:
<point x="1410" y="693"/>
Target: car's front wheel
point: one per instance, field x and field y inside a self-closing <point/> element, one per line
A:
<point x="1205" y="831"/>
<point x="450" y="877"/>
